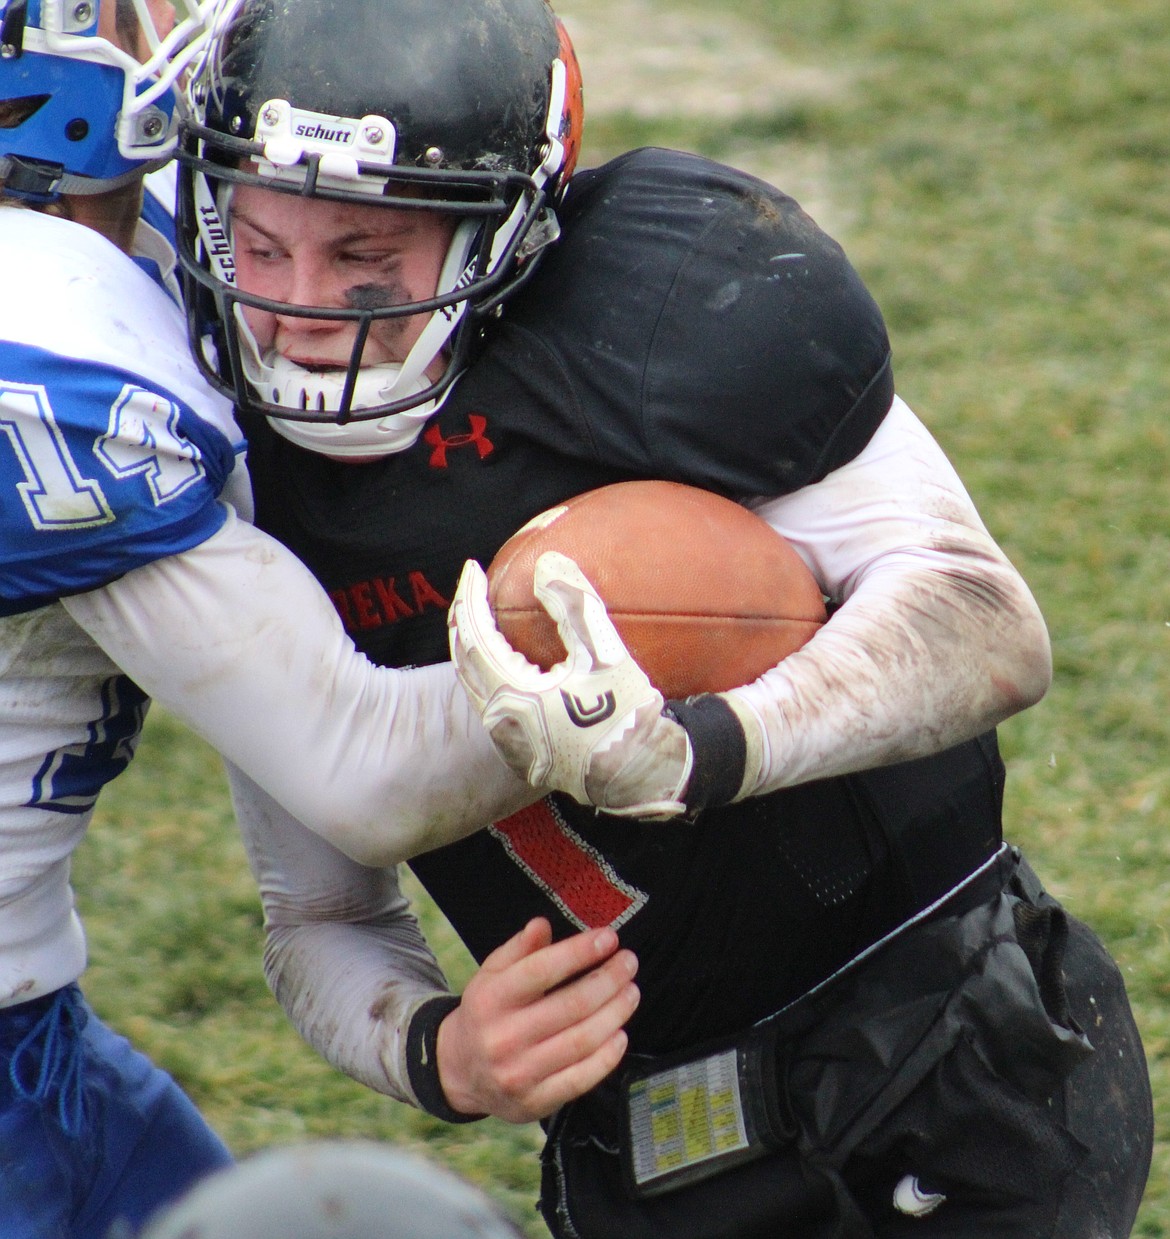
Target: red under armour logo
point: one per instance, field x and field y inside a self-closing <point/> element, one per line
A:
<point x="483" y="445"/>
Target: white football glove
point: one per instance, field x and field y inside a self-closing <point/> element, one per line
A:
<point x="593" y="725"/>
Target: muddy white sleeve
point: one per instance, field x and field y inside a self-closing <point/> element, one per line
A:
<point x="343" y="952"/>
<point x="238" y="640"/>
<point x="934" y="638"/>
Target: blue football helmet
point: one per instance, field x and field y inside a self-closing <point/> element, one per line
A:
<point x="88" y="90"/>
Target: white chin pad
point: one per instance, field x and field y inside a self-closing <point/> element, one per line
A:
<point x="279" y="381"/>
<point x="380" y="436"/>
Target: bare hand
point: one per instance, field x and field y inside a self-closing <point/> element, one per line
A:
<point x="539" y="1024"/>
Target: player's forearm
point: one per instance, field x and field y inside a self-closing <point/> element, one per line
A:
<point x="237" y="639"/>
<point x="952" y="655"/>
<point x="937" y="637"/>
<point x="350" y="991"/>
<point x="344" y="953"/>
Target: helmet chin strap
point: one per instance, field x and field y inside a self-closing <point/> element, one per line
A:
<point x="49" y="182"/>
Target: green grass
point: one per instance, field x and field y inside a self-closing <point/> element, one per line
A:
<point x="175" y="939"/>
<point x="1000" y="171"/>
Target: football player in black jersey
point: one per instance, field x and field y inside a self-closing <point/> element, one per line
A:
<point x="856" y="1011"/>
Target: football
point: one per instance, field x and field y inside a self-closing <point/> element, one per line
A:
<point x="706" y="595"/>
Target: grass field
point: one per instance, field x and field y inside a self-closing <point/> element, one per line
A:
<point x="1000" y="174"/>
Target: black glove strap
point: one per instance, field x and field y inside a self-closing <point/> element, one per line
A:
<point x="422" y="1059"/>
<point x="719" y="749"/>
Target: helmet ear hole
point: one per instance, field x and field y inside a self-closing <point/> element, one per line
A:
<point x="14" y="112"/>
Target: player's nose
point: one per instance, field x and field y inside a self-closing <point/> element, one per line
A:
<point x="309" y="282"/>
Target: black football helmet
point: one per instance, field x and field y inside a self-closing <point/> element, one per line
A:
<point x="332" y="1190"/>
<point x="463" y="107"/>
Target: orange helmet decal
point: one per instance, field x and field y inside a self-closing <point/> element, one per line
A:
<point x="573" y="119"/>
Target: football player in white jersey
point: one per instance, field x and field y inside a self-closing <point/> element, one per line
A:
<point x="128" y="571"/>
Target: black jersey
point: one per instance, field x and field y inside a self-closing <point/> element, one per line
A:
<point x="693" y="324"/>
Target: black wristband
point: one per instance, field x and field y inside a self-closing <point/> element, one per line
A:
<point x="422" y="1060"/>
<point x="718" y="746"/>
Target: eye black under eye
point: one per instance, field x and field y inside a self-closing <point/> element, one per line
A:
<point x="374" y="296"/>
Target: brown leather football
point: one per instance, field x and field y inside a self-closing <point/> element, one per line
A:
<point x="706" y="595"/>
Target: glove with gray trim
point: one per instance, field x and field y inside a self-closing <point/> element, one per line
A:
<point x="593" y="726"/>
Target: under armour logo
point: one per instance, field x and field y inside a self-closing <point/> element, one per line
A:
<point x="476" y="438"/>
<point x="582" y="714"/>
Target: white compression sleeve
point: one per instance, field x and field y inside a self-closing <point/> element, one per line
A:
<point x="937" y="637"/>
<point x="344" y="954"/>
<point x="238" y="640"/>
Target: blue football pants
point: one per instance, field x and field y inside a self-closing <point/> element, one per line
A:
<point x="93" y="1136"/>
